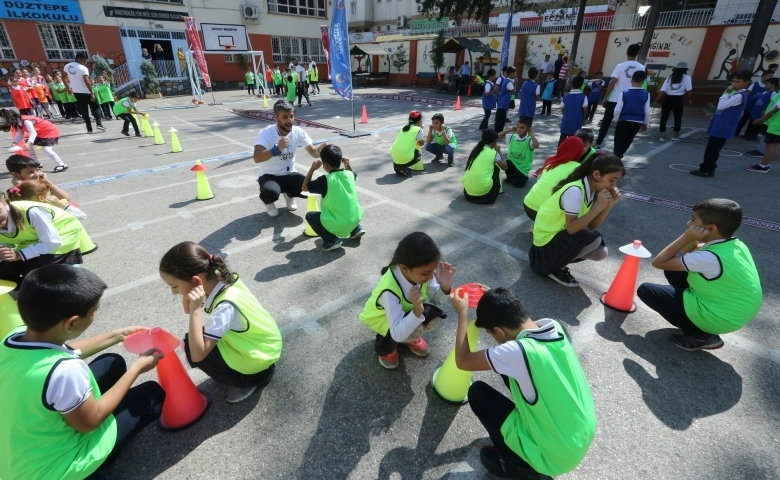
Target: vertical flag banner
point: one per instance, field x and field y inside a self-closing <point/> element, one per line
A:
<point x="326" y="45"/>
<point x="197" y="50"/>
<point x="507" y="39"/>
<point x="340" y="69"/>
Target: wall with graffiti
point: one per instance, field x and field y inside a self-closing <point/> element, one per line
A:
<point x="669" y="47"/>
<point x="424" y="57"/>
<point x="732" y="41"/>
<point x="554" y="43"/>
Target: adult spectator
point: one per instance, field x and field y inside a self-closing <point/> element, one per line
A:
<point x="556" y="73"/>
<point x="621" y="81"/>
<point x="79" y="84"/>
<point x="465" y="75"/>
<point x="545" y="66"/>
<point x="145" y="54"/>
<point x="562" y="74"/>
<point x="158" y="52"/>
<point x="478" y="67"/>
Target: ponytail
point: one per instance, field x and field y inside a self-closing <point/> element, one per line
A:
<point x="188" y="259"/>
<point x="475" y="153"/>
<point x="14" y="212"/>
<point x="603" y="163"/>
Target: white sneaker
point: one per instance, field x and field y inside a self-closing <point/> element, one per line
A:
<point x="291" y="206"/>
<point x="272" y="210"/>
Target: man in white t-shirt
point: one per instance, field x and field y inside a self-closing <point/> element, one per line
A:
<point x="79" y="83"/>
<point x="302" y="88"/>
<point x="275" y="152"/>
<point x="546" y="66"/>
<point x="621" y="81"/>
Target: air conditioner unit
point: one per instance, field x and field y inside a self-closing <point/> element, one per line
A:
<point x="250" y="12"/>
<point x="401" y="21"/>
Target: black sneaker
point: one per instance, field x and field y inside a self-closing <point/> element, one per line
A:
<point x="449" y="164"/>
<point x="126" y="134"/>
<point x="565" y="278"/>
<point x="438" y="158"/>
<point x="700" y="173"/>
<point x="332" y="245"/>
<point x="60" y="168"/>
<point x="758" y="168"/>
<point x="691" y="343"/>
<point x="358" y="232"/>
<point x="101" y="127"/>
<point x="494" y="464"/>
<point x="754" y="153"/>
<point x="138" y="135"/>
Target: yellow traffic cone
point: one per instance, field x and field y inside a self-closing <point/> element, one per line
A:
<point x="265" y="101"/>
<point x="448" y="381"/>
<point x="204" y="189"/>
<point x="418" y="167"/>
<point x="9" y="312"/>
<point x="145" y="126"/>
<point x="175" y="145"/>
<point x="311" y="207"/>
<point x="86" y="245"/>
<point x="158" y="140"/>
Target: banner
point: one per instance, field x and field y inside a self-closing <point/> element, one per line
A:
<point x="340" y="68"/>
<point x="507" y="39"/>
<point x="197" y="50"/>
<point x="326" y="45"/>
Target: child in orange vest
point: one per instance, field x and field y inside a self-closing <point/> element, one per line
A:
<point x="20" y="98"/>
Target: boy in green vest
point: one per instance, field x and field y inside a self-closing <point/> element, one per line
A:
<point x="277" y="78"/>
<point x="103" y="96"/>
<point x="63" y="418"/>
<point x="314" y="78"/>
<point x="771" y="125"/>
<point x="291" y="86"/>
<point x="549" y="423"/>
<point x="250" y="81"/>
<point x="125" y="109"/>
<point x="341" y="212"/>
<point x="520" y="151"/>
<point x="713" y="283"/>
<point x="441" y="140"/>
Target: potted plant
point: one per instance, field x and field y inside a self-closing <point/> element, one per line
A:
<point x="150" y="84"/>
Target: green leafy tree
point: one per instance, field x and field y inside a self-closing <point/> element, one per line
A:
<point x="102" y="68"/>
<point x="436" y="59"/>
<point x="150" y="83"/>
<point x="399" y="59"/>
<point x="481" y="9"/>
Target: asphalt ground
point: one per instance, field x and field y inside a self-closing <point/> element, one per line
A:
<point x="332" y="411"/>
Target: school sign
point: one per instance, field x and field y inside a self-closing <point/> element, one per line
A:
<point x="62" y="11"/>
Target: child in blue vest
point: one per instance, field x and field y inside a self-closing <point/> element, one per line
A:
<point x="714" y="287"/>
<point x="61" y="417"/>
<point x="594" y="97"/>
<point x="575" y="109"/>
<point x="758" y="111"/>
<point x="754" y="92"/>
<point x="547" y="95"/>
<point x="504" y="97"/>
<point x="724" y="122"/>
<point x="529" y="94"/>
<point x="341" y="212"/>
<point x="489" y="98"/>
<point x="548" y="423"/>
<point x="406" y="302"/>
<point x="240" y="343"/>
<point x="633" y="113"/>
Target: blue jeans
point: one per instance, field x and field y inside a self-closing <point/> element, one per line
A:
<point x="437" y="149"/>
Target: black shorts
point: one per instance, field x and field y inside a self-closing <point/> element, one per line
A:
<point x="771" y="138"/>
<point x="46" y="142"/>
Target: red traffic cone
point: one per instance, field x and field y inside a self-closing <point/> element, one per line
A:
<point x="620" y="295"/>
<point x="457" y="103"/>
<point x="468" y="93"/>
<point x="364" y="117"/>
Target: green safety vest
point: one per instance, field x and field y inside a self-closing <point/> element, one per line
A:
<point x="103" y="93"/>
<point x="291" y="90"/>
<point x="773" y="124"/>
<point x="341" y="211"/>
<point x="68" y="227"/>
<point x="313" y="75"/>
<point x="36" y="442"/>
<point x="259" y="345"/>
<point x="439" y="138"/>
<point x="478" y="179"/>
<point x="55" y="95"/>
<point x="250" y="78"/>
<point x="520" y="153"/>
<point x="119" y="109"/>
<point x="551" y="218"/>
<point x="727" y="303"/>
<point x="277" y="77"/>
<point x="373" y="314"/>
<point x="554" y="433"/>
<point x="548" y="179"/>
<point x="405" y="144"/>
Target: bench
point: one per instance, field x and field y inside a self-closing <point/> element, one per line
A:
<point x="378" y="78"/>
<point x="429" y="76"/>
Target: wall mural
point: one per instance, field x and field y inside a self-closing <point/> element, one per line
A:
<point x="726" y="61"/>
<point x="541" y="45"/>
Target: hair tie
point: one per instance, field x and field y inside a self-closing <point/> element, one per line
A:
<point x="211" y="257"/>
<point x="14" y="191"/>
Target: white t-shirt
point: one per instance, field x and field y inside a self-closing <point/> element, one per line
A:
<point x="402" y="325"/>
<point x="48" y="238"/>
<point x="76" y="73"/>
<point x="704" y="262"/>
<point x="623" y="72"/>
<point x="571" y="199"/>
<point x="677" y="89"/>
<point x="284" y="164"/>
<point x="301" y="72"/>
<point x="223" y="318"/>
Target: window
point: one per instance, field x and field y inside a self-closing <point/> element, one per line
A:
<point x="174" y="2"/>
<point x="285" y="48"/>
<point x="61" y="42"/>
<point x="231" y="58"/>
<point x="6" y="49"/>
<point x="306" y="8"/>
<point x="353" y="8"/>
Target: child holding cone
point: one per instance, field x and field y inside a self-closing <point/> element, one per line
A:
<point x="550" y="421"/>
<point x="125" y="109"/>
<point x="714" y="287"/>
<point x="406" y="302"/>
<point x="240" y="342"/>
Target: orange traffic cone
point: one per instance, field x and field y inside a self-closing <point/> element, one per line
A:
<point x="457" y="103"/>
<point x="620" y="295"/>
<point x="468" y="93"/>
<point x="364" y="117"/>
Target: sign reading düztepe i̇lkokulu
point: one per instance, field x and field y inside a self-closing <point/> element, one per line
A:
<point x="63" y="11"/>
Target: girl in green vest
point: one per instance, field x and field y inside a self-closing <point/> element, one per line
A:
<point x="405" y="151"/>
<point x="714" y="286"/>
<point x="68" y="99"/>
<point x="240" y="343"/>
<point x="564" y="226"/>
<point x="104" y="97"/>
<point x="406" y="302"/>
<point x="549" y="423"/>
<point x="56" y="95"/>
<point x="314" y="78"/>
<point x="481" y="180"/>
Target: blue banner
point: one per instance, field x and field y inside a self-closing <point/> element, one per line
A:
<point x="62" y="11"/>
<point x="507" y="39"/>
<point x="340" y="69"/>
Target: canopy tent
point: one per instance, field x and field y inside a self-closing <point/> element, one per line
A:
<point x="458" y="44"/>
<point x="368" y="49"/>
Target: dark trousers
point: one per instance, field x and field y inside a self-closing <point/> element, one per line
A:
<point x="609" y="114"/>
<point x="485" y="119"/>
<point x="500" y="119"/>
<point x="214" y="366"/>
<point x="490" y="197"/>
<point x="141" y="405"/>
<point x="624" y="135"/>
<point x="400" y="167"/>
<point x="71" y="110"/>
<point x="129" y="120"/>
<point x="667" y="300"/>
<point x="84" y="104"/>
<point x="711" y="154"/>
<point x="673" y="105"/>
<point x="250" y="88"/>
<point x="492" y="408"/>
<point x="315" y="220"/>
<point x="514" y="175"/>
<point x="531" y="213"/>
<point x="302" y="92"/>
<point x="61" y="108"/>
<point x="385" y="344"/>
<point x="592" y="110"/>
<point x="272" y="186"/>
<point x="546" y="107"/>
<point x="106" y="109"/>
<point x="563" y="137"/>
<point x="743" y="121"/>
<point x="315" y="85"/>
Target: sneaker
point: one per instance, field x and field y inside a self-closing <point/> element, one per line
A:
<point x="758" y="168"/>
<point x="358" y="232"/>
<point x="676" y="138"/>
<point x="699" y="173"/>
<point x="101" y="127"/>
<point x="449" y="164"/>
<point x="494" y="464"/>
<point x="389" y="361"/>
<point x="235" y="394"/>
<point x="662" y="139"/>
<point x="272" y="210"/>
<point x="418" y="347"/>
<point x="597" y="147"/>
<point x="565" y="278"/>
<point x="691" y="343"/>
<point x="438" y="158"/>
<point x="126" y="134"/>
<point x="291" y="206"/>
<point x="60" y="168"/>
<point x="332" y="245"/>
<point x="754" y="153"/>
<point x="90" y="131"/>
<point x="404" y="173"/>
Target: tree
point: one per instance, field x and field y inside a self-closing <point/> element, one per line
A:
<point x="102" y="68"/>
<point x="749" y="59"/>
<point x="150" y="84"/>
<point x="480" y="9"/>
<point x="399" y="58"/>
<point x="436" y="59"/>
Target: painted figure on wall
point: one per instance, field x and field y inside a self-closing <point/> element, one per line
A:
<point x="732" y="60"/>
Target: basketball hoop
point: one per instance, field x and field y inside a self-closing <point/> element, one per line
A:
<point x="228" y="47"/>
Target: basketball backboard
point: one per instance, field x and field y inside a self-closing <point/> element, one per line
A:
<point x="219" y="38"/>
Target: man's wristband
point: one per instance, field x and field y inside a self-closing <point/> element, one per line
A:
<point x="275" y="151"/>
